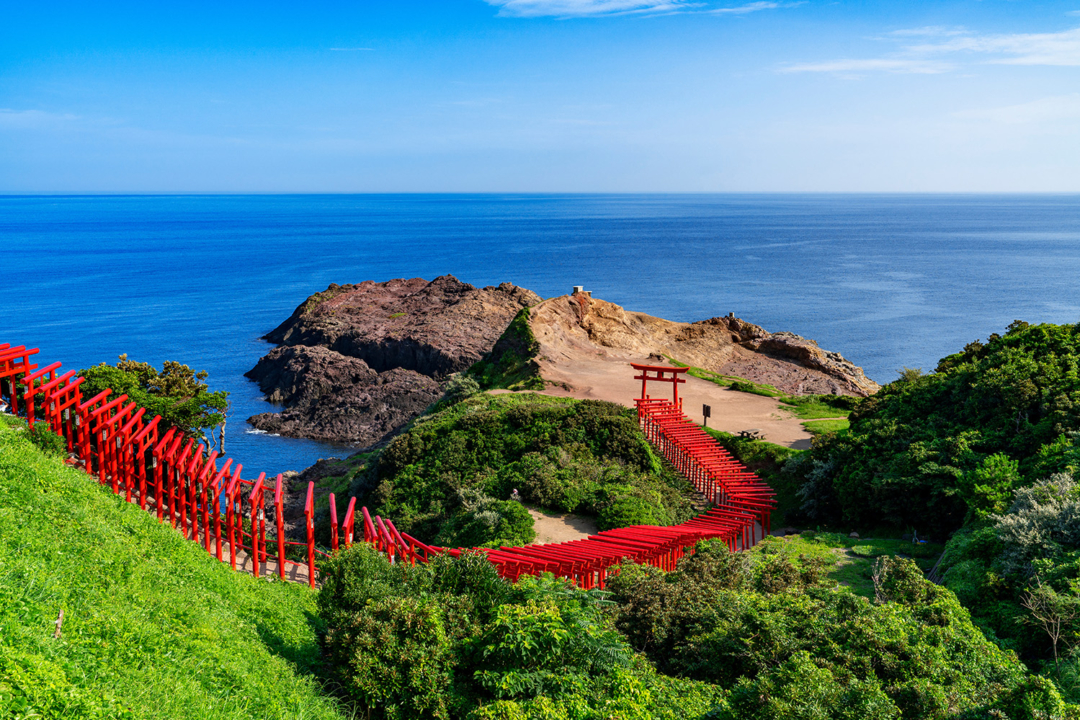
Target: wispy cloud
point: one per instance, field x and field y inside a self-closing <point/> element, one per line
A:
<point x="1060" y="48"/>
<point x="1053" y="109"/>
<point x="929" y="31"/>
<point x="598" y="8"/>
<point x="943" y="49"/>
<point x="33" y="118"/>
<point x="860" y="66"/>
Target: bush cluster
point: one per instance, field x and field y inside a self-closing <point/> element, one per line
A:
<point x="451" y="639"/>
<point x="789" y="645"/>
<point x="736" y="636"/>
<point x="176" y="392"/>
<point x="998" y="567"/>
<point x="928" y="449"/>
<point x="585" y="457"/>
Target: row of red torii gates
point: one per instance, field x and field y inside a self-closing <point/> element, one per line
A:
<point x="204" y="496"/>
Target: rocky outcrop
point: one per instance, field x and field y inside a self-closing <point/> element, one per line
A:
<point x="575" y="332"/>
<point x="336" y="398"/>
<point x="357" y="362"/>
<point x="436" y="328"/>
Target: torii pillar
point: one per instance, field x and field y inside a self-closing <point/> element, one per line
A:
<point x="660" y="373"/>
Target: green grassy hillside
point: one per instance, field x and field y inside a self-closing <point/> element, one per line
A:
<point x="153" y="627"/>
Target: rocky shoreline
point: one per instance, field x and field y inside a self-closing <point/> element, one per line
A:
<point x="355" y="363"/>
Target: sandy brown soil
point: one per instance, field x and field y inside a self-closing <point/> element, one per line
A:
<point x="612" y="379"/>
<point x="586" y="345"/>
<point x="552" y="528"/>
<point x="573" y="329"/>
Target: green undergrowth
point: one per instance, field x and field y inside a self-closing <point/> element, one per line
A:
<point x="511" y="364"/>
<point x="152" y="628"/>
<point x="449" y="478"/>
<point x="807" y="407"/>
<point x="732" y="381"/>
<point x="823" y="427"/>
<point x="849" y="561"/>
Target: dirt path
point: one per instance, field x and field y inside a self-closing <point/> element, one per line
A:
<point x="732" y="411"/>
<point x="552" y="528"/>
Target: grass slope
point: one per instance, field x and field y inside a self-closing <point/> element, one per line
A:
<point x="153" y="627"/>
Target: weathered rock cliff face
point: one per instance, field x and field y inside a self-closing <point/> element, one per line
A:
<point x="357" y="362"/>
<point x="576" y="331"/>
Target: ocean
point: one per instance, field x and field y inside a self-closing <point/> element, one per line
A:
<point x="889" y="281"/>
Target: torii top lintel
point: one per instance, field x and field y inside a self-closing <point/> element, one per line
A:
<point x="659" y="373"/>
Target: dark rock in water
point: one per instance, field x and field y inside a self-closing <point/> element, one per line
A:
<point x="300" y="374"/>
<point x="335" y="398"/>
<point x="358" y="362"/>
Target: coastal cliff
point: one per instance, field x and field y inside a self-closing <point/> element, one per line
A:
<point x="575" y="340"/>
<point x="356" y="362"/>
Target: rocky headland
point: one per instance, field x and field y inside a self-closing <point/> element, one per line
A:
<point x="574" y="332"/>
<point x="355" y="363"/>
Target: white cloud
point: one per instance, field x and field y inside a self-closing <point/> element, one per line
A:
<point x="1059" y="48"/>
<point x="585" y="8"/>
<point x="748" y="8"/>
<point x="33" y="118"/>
<point x="595" y="8"/>
<point x="858" y="66"/>
<point x="929" y="31"/>
<point x="1044" y="110"/>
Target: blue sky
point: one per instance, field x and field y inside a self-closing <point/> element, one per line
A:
<point x="540" y="96"/>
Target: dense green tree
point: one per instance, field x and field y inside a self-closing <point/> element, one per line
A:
<point x="927" y="449"/>
<point x="177" y="393"/>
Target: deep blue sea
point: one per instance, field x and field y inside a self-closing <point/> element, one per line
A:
<point x="887" y="280"/>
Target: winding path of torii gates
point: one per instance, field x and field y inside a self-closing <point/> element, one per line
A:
<point x="180" y="480"/>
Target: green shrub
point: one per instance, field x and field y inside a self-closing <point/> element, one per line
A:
<point x="482" y="521"/>
<point x="49" y="442"/>
<point x="791" y="644"/>
<point x="451" y="639"/>
<point x="176" y="392"/>
<point x="566" y="455"/>
<point x="396" y="655"/>
<point x="927" y="448"/>
<point x="625" y="509"/>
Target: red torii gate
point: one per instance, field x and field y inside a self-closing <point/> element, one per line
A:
<point x="660" y="374"/>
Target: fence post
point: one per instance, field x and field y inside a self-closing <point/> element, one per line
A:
<point x="279" y="523"/>
<point x="309" y="513"/>
<point x="333" y="524"/>
<point x="231" y="513"/>
<point x="253" y="498"/>
<point x="349" y="520"/>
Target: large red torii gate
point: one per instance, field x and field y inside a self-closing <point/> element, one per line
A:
<point x="660" y="374"/>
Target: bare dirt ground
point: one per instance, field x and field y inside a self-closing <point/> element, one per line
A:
<point x="732" y="411"/>
<point x="552" y="528"/>
<point x="612" y="379"/>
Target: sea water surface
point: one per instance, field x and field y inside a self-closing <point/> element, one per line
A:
<point x="888" y="280"/>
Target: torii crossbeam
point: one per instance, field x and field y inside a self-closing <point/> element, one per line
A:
<point x="660" y="373"/>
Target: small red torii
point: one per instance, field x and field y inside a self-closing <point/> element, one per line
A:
<point x="660" y="374"/>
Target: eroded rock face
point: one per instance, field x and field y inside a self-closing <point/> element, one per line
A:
<point x="357" y="362"/>
<point x="577" y="331"/>
<point x="436" y="328"/>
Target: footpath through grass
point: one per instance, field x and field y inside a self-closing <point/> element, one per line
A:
<point x="153" y="627"/>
